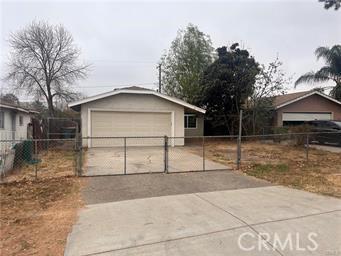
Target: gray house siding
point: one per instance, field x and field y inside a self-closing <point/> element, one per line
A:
<point x="199" y="130"/>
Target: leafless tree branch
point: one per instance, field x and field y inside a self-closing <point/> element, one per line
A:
<point x="44" y="61"/>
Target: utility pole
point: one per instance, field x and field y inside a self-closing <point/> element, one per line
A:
<point x="159" y="78"/>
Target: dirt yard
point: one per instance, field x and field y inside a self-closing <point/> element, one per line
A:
<point x="284" y="165"/>
<point x="37" y="214"/>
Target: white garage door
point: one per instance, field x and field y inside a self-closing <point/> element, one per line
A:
<point x="128" y="124"/>
<point x="306" y="116"/>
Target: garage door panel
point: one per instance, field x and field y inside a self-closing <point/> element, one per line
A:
<point x="302" y="116"/>
<point x="128" y="124"/>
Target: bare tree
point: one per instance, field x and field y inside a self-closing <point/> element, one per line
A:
<point x="271" y="81"/>
<point x="44" y="62"/>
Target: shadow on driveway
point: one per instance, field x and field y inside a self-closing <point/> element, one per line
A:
<point x="117" y="188"/>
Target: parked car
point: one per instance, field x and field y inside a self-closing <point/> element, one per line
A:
<point x="328" y="132"/>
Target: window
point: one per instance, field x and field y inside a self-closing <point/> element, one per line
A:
<point x="2" y="119"/>
<point x="21" y="121"/>
<point x="190" y="121"/>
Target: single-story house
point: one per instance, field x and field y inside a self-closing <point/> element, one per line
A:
<point x="295" y="108"/>
<point x="14" y="127"/>
<point x="135" y="111"/>
<point x="14" y="121"/>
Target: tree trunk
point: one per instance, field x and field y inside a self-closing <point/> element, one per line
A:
<point x="50" y="107"/>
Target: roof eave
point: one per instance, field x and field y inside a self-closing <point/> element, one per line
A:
<point x="15" y="108"/>
<point x="305" y="96"/>
<point x="146" y="92"/>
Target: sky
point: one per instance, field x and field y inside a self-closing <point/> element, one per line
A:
<point x="124" y="40"/>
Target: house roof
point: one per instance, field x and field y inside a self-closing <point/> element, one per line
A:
<point x="7" y="105"/>
<point x="135" y="90"/>
<point x="286" y="99"/>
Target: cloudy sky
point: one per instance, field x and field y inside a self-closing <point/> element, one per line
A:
<point x="124" y="40"/>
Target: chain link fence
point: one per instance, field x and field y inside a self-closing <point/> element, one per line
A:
<point x="38" y="158"/>
<point x="281" y="152"/>
<point x="93" y="156"/>
<point x="199" y="153"/>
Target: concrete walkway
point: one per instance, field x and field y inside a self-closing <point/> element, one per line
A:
<point x="211" y="223"/>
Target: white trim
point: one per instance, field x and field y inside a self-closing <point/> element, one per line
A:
<point x="196" y="122"/>
<point x="131" y="111"/>
<point x="146" y="92"/>
<point x="307" y="95"/>
<point x="16" y="108"/>
<point x="173" y="127"/>
<point x="89" y="127"/>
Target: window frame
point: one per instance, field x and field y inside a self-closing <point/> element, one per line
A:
<point x="186" y="116"/>
<point x="2" y="116"/>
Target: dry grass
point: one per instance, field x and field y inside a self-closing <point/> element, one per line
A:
<point x="37" y="215"/>
<point x="284" y="164"/>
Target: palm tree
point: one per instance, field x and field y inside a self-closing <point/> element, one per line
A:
<point x="330" y="72"/>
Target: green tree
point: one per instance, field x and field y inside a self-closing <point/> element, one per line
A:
<point x="227" y="84"/>
<point x="183" y="65"/>
<point x="330" y="72"/>
<point x="10" y="98"/>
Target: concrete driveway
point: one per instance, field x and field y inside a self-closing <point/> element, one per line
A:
<point x="333" y="149"/>
<point x="211" y="223"/>
<point x="104" y="189"/>
<point x="109" y="161"/>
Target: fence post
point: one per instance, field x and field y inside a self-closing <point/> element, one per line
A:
<point x="36" y="149"/>
<point x="203" y="153"/>
<point x="239" y="152"/>
<point x="36" y="170"/>
<point x="307" y="148"/>
<point x="48" y="134"/>
<point x="125" y="155"/>
<point x="36" y="159"/>
<point x="76" y="141"/>
<point x="166" y="154"/>
<point x="80" y="170"/>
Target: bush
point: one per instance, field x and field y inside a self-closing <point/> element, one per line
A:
<point x="299" y="139"/>
<point x="280" y="130"/>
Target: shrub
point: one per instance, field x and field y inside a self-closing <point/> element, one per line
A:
<point x="299" y="139"/>
<point x="280" y="130"/>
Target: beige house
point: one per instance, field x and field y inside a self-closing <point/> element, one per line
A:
<point x="137" y="112"/>
<point x="296" y="108"/>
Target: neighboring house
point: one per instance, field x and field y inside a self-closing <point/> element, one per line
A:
<point x="295" y="108"/>
<point x="14" y="121"/>
<point x="136" y="111"/>
<point x="14" y="127"/>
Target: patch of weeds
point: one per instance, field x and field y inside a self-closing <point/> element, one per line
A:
<point x="282" y="167"/>
<point x="267" y="170"/>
